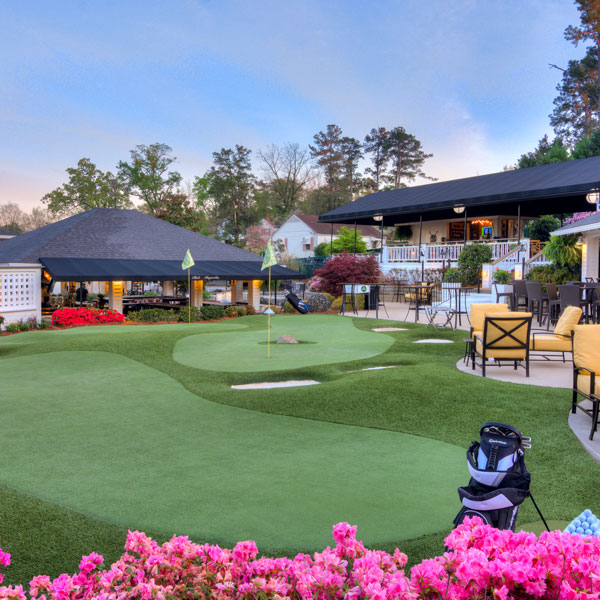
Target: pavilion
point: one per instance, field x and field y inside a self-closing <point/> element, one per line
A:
<point x="116" y="246"/>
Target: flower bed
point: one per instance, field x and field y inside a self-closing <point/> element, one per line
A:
<point x="483" y="563"/>
<point x="72" y="317"/>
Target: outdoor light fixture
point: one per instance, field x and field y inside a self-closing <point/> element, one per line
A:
<point x="593" y="196"/>
<point x="459" y="210"/>
<point x="377" y="218"/>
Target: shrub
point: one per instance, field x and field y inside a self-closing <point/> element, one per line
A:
<point x="540" y="229"/>
<point x="14" y="328"/>
<point x="211" y="312"/>
<point x="563" y="251"/>
<point x="151" y="294"/>
<point x="552" y="274"/>
<point x="347" y="268"/>
<point x="250" y="309"/>
<point x="189" y="311"/>
<point x="318" y="303"/>
<point x="336" y="305"/>
<point x="68" y="317"/>
<point x="470" y="261"/>
<point x="452" y="275"/>
<point x="1" y="319"/>
<point x="152" y="315"/>
<point x="481" y="562"/>
<point x="288" y="308"/>
<point x="242" y="311"/>
<point x="502" y="277"/>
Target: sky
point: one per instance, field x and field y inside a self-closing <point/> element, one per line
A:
<point x="469" y="78"/>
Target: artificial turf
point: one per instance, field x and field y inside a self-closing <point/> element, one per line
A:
<point x="425" y="396"/>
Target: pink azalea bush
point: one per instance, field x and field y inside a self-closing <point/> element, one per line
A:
<point x="72" y="317"/>
<point x="483" y="563"/>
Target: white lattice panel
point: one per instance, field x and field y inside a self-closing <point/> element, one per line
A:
<point x="17" y="290"/>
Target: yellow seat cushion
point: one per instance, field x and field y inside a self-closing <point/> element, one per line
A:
<point x="494" y="335"/>
<point x="478" y="312"/>
<point x="550" y="343"/>
<point x="583" y="384"/>
<point x="568" y="320"/>
<point x="478" y="333"/>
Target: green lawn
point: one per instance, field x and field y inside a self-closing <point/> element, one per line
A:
<point x="105" y="429"/>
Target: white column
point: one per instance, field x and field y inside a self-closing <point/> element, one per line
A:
<point x="196" y="298"/>
<point x="167" y="288"/>
<point x="254" y="294"/>
<point x="589" y="258"/>
<point x="237" y="291"/>
<point x="115" y="295"/>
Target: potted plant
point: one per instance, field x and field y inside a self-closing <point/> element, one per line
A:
<point x="502" y="279"/>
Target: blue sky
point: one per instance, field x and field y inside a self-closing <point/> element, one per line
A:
<point x="469" y="78"/>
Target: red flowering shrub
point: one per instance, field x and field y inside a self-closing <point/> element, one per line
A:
<point x="483" y="564"/>
<point x="345" y="268"/>
<point x="71" y="317"/>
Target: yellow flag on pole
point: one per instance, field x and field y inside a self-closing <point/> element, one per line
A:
<point x="188" y="261"/>
<point x="269" y="258"/>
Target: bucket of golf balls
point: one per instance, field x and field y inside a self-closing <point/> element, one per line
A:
<point x="586" y="523"/>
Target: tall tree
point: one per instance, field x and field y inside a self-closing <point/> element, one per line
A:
<point x="147" y="176"/>
<point x="230" y="187"/>
<point x="574" y="115"/>
<point x="406" y="157"/>
<point x="376" y="145"/>
<point x="588" y="146"/>
<point x="589" y="30"/>
<point x="177" y="208"/>
<point x="352" y="153"/>
<point x="287" y="170"/>
<point x="88" y="187"/>
<point x="329" y="156"/>
<point x="544" y="154"/>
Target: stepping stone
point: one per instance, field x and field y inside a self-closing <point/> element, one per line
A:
<point x="384" y="329"/>
<point x="266" y="385"/>
<point x="373" y="369"/>
<point x="433" y="341"/>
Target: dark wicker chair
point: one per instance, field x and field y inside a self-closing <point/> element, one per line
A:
<point x="536" y="300"/>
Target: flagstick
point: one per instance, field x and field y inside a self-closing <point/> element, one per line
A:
<point x="189" y="297"/>
<point x="269" y="318"/>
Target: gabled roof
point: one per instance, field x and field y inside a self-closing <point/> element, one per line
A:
<point x="113" y="243"/>
<point x="588" y="223"/>
<point x="325" y="228"/>
<point x="555" y="188"/>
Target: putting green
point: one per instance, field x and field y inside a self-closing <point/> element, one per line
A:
<point x="335" y="339"/>
<point x="118" y="440"/>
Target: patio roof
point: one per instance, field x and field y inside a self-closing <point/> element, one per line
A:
<point x="556" y="188"/>
<point x="105" y="244"/>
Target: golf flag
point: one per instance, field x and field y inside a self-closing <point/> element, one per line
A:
<point x="188" y="261"/>
<point x="269" y="258"/>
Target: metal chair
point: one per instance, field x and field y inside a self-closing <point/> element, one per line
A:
<point x="586" y="371"/>
<point x="509" y="295"/>
<point x="520" y="294"/>
<point x="536" y="299"/>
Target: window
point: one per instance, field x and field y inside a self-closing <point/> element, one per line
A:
<point x="17" y="290"/>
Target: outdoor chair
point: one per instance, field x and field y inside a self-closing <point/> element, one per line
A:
<point x="570" y="295"/>
<point x="560" y="340"/>
<point x="536" y="299"/>
<point x="586" y="371"/>
<point x="505" y="337"/>
<point x="477" y="318"/>
<point x="520" y="294"/>
<point x="553" y="304"/>
<point x="509" y="295"/>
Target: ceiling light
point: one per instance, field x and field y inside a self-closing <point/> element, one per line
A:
<point x="459" y="209"/>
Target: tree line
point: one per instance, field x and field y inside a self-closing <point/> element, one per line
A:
<point x="575" y="117"/>
<point x="231" y="197"/>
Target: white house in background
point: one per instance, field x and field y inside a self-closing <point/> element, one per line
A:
<point x="589" y="230"/>
<point x="300" y="234"/>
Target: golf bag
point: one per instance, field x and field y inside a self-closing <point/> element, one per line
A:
<point x="298" y="304"/>
<point x="499" y="478"/>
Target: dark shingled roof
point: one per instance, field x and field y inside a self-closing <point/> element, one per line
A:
<point x="556" y="188"/>
<point x="123" y="235"/>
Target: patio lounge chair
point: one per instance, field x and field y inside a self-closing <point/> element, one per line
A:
<point x="559" y="341"/>
<point x="505" y="338"/>
<point x="586" y="371"/>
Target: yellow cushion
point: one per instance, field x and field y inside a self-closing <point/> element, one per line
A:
<point x="478" y="311"/>
<point x="583" y="384"/>
<point x="550" y="343"/>
<point x="568" y="320"/>
<point x="494" y="335"/>
<point x="586" y="347"/>
<point x="478" y="333"/>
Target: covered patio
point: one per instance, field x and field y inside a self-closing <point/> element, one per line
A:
<point x="111" y="247"/>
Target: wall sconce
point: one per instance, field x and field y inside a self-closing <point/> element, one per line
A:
<point x="378" y="218"/>
<point x="593" y="196"/>
<point x="459" y="210"/>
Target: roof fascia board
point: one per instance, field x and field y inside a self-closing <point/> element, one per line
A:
<point x="576" y="229"/>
